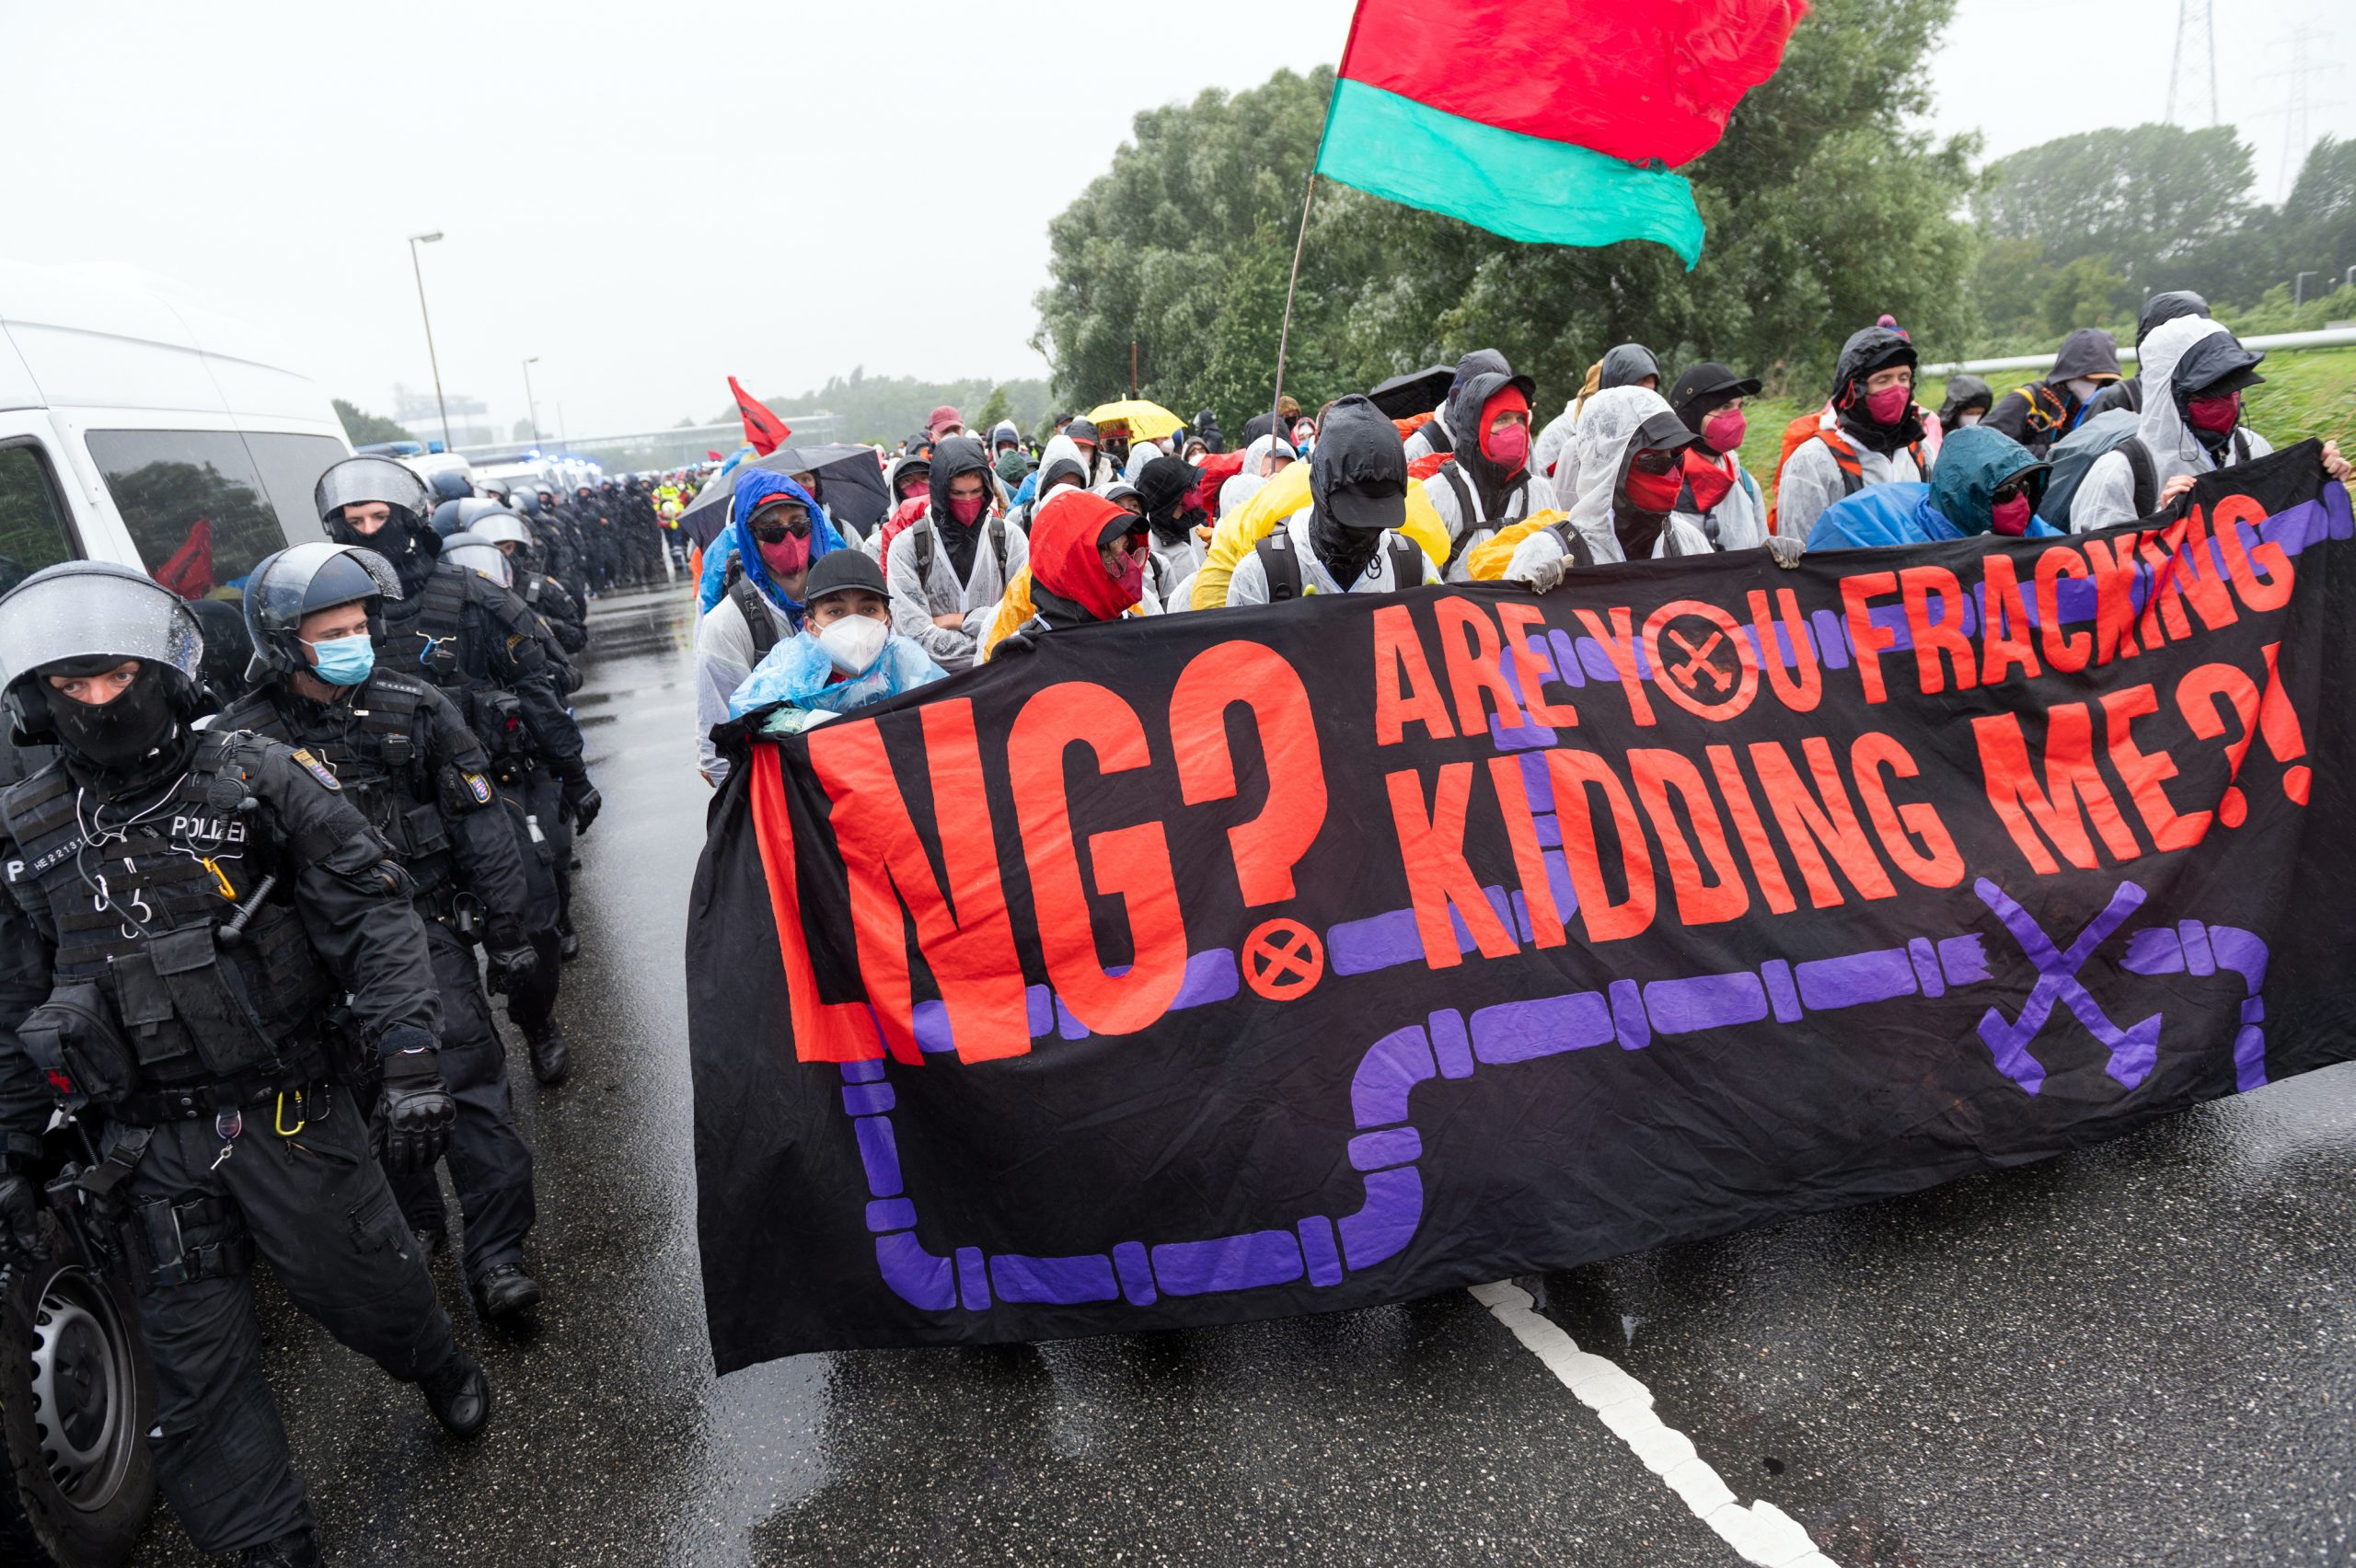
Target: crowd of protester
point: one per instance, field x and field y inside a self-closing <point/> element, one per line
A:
<point x="994" y="540"/>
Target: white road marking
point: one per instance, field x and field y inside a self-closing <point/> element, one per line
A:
<point x="1762" y="1533"/>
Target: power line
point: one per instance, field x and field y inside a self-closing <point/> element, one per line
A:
<point x="2193" y="73"/>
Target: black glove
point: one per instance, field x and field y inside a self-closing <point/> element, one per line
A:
<point x="1013" y="643"/>
<point x="581" y="801"/>
<point x="513" y="962"/>
<point x="21" y="1242"/>
<point x="418" y="1108"/>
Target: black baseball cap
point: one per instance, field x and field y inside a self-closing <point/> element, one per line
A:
<point x="840" y="571"/>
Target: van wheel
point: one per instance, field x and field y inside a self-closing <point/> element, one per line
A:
<point x="77" y="1398"/>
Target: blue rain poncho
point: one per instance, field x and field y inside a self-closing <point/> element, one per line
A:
<point x="798" y="673"/>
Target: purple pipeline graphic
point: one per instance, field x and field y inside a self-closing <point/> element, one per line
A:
<point x="1322" y="1248"/>
<point x="1386" y="1146"/>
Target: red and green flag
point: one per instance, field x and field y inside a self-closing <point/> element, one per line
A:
<point x="1554" y="120"/>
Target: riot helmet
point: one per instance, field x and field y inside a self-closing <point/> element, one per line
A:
<point x="451" y="484"/>
<point x="525" y="501"/>
<point x="479" y="556"/>
<point x="294" y="582"/>
<point x="505" y="528"/>
<point x="407" y="539"/>
<point x="83" y="617"/>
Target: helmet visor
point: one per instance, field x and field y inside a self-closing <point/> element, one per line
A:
<point x="315" y="575"/>
<point x="371" y="477"/>
<point x="478" y="555"/>
<point x="90" y="610"/>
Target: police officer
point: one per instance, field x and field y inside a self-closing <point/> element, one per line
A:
<point x="477" y="642"/>
<point x="546" y="597"/>
<point x="543" y="555"/>
<point x="185" y="908"/>
<point x="408" y="761"/>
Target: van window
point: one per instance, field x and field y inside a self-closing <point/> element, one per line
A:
<point x="33" y="520"/>
<point x="291" y="467"/>
<point x="196" y="509"/>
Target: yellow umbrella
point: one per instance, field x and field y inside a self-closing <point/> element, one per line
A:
<point x="1147" y="421"/>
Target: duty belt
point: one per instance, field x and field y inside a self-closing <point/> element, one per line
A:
<point x="185" y="1102"/>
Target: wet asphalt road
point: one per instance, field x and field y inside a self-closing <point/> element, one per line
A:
<point x="2142" y="1354"/>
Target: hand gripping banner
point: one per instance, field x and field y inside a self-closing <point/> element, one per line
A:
<point x="1242" y="964"/>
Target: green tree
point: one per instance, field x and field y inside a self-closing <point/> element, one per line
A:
<point x="2087" y="291"/>
<point x="365" y="428"/>
<point x="1824" y="211"/>
<point x="2148" y="197"/>
<point x="994" y="407"/>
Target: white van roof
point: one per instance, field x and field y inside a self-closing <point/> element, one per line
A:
<point x="108" y="336"/>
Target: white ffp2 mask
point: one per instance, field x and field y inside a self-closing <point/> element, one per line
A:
<point x="853" y="643"/>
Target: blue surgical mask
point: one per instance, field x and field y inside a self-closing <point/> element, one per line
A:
<point x="345" y="661"/>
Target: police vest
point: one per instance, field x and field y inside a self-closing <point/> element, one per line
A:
<point x="387" y="769"/>
<point x="439" y="646"/>
<point x="134" y="911"/>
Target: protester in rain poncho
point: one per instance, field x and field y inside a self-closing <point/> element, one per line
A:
<point x="773" y="571"/>
<point x="1720" y="497"/>
<point x="1263" y="460"/>
<point x="845" y="656"/>
<point x="1180" y="532"/>
<point x="1630" y="450"/>
<point x="1486" y="484"/>
<point x="1089" y="566"/>
<point x="2193" y="372"/>
<point x="947" y="569"/>
<point x="1630" y="364"/>
<point x="1870" y="434"/>
<point x="1985" y="483"/>
<point x="1436" y="437"/>
<point x="1347" y="539"/>
<point x="2158" y="310"/>
<point x="2045" y="410"/>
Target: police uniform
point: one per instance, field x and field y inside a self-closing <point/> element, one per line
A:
<point x="402" y="756"/>
<point x="173" y="947"/>
<point x="475" y="640"/>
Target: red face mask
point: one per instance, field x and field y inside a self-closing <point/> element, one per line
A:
<point x="1889" y="405"/>
<point x="915" y="487"/>
<point x="966" y="508"/>
<point x="787" y="557"/>
<point x="1710" y="483"/>
<point x="2217" y="416"/>
<point x="1653" y="492"/>
<point x="2010" y="518"/>
<point x="1725" y="430"/>
<point x="1508" y="448"/>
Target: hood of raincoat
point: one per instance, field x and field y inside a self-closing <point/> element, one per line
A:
<point x="1701" y="389"/>
<point x="1490" y="481"/>
<point x="1607" y="425"/>
<point x="1359" y="451"/>
<point x="1965" y="392"/>
<point x="892" y="474"/>
<point x="958" y="456"/>
<point x="2162" y="308"/>
<point x="1162" y="486"/>
<point x="1061" y="456"/>
<point x="2175" y="447"/>
<point x="1974" y="463"/>
<point x="1869" y="350"/>
<point x="2089" y="351"/>
<point x="1625" y="366"/>
<point x="1065" y="538"/>
<point x="753" y="487"/>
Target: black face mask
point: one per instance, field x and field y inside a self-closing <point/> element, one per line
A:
<point x="1175" y="521"/>
<point x="116" y="737"/>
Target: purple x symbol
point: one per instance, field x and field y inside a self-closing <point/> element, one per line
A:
<point x="2133" y="1050"/>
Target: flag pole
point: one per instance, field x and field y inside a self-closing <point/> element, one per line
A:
<point x="1300" y="242"/>
<point x="1283" y="334"/>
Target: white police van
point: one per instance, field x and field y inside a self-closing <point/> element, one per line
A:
<point x="137" y="429"/>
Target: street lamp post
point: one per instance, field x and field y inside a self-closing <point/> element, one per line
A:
<point x="431" y="357"/>
<point x="531" y="404"/>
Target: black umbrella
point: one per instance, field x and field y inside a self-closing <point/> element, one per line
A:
<point x="1418" y="392"/>
<point x="850" y="476"/>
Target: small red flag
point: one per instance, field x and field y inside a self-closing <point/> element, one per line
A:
<point x="764" y="429"/>
<point x="715" y="456"/>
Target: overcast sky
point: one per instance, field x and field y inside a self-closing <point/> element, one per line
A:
<point x="599" y="168"/>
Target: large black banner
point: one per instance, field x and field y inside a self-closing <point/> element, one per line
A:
<point x="1243" y="963"/>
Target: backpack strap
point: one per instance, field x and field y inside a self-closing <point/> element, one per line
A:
<point x="1436" y="436"/>
<point x="2146" y="475"/>
<point x="1576" y="551"/>
<point x="1406" y="562"/>
<point x="1281" y="563"/>
<point x="1845" y="457"/>
<point x="758" y="619"/>
<point x="1468" y="514"/>
<point x="922" y="529"/>
<point x="998" y="543"/>
<point x="2240" y="444"/>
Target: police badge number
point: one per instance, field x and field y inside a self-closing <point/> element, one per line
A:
<point x="318" y="769"/>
